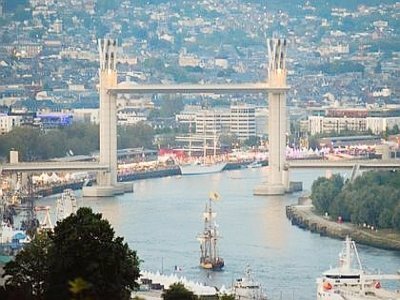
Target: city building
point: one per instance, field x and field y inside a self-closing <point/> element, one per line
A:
<point x="8" y="123"/>
<point x="243" y="121"/>
<point x="86" y="115"/>
<point x="239" y="120"/>
<point x="338" y="120"/>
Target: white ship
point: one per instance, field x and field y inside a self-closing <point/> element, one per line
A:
<point x="247" y="288"/>
<point x="198" y="168"/>
<point x="204" y="164"/>
<point x="349" y="281"/>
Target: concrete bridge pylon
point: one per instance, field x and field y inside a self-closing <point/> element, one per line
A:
<point x="107" y="184"/>
<point x="277" y="177"/>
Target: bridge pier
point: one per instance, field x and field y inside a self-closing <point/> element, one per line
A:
<point x="107" y="184"/>
<point x="277" y="177"/>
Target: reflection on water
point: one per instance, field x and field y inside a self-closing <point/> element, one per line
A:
<point x="162" y="218"/>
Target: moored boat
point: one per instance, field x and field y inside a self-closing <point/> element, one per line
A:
<point x="255" y="164"/>
<point x="200" y="168"/>
<point x="349" y="281"/>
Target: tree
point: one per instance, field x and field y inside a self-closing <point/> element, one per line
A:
<point x="81" y="259"/>
<point x="137" y="135"/>
<point x="324" y="191"/>
<point x="396" y="218"/>
<point x="27" y="274"/>
<point x="84" y="247"/>
<point x="178" y="291"/>
<point x="170" y="106"/>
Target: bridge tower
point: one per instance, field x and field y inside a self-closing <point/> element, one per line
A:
<point x="107" y="180"/>
<point x="277" y="176"/>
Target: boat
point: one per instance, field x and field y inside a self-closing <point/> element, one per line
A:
<point x="247" y="288"/>
<point x="255" y="164"/>
<point x="349" y="281"/>
<point x="209" y="258"/>
<point x="198" y="168"/>
<point x="204" y="164"/>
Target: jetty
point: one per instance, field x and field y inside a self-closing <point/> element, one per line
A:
<point x="305" y="217"/>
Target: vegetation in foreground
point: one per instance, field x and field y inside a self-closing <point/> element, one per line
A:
<point x="81" y="259"/>
<point x="177" y="291"/>
<point x="373" y="198"/>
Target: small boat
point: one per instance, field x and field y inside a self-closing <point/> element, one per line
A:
<point x="209" y="258"/>
<point x="255" y="164"/>
<point x="349" y="281"/>
<point x="247" y="288"/>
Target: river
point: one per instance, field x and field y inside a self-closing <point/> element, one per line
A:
<point x="163" y="216"/>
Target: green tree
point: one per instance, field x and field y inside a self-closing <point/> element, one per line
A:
<point x="33" y="144"/>
<point x="324" y="191"/>
<point x="27" y="274"/>
<point x="81" y="259"/>
<point x="170" y="106"/>
<point x="396" y="217"/>
<point x="178" y="291"/>
<point x="84" y="247"/>
<point x="137" y="135"/>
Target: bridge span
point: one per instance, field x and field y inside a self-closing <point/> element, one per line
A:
<point x="365" y="163"/>
<point x="53" y="167"/>
<point x="261" y="87"/>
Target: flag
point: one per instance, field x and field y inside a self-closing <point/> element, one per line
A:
<point x="214" y="196"/>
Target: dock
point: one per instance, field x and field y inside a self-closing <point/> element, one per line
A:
<point x="305" y="217"/>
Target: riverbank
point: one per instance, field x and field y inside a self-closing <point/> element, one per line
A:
<point x="305" y="217"/>
<point x="174" y="170"/>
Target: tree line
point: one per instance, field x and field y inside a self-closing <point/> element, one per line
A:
<point x="373" y="198"/>
<point x="77" y="139"/>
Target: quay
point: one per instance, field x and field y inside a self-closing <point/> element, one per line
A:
<point x="305" y="217"/>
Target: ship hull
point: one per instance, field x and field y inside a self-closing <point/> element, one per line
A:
<point x="202" y="169"/>
<point x="214" y="266"/>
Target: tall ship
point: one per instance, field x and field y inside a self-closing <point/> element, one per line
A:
<point x="349" y="281"/>
<point x="199" y="168"/>
<point x="205" y="164"/>
<point x="209" y="257"/>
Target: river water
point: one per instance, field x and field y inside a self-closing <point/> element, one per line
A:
<point x="163" y="216"/>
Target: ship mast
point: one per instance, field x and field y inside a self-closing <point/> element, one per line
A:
<point x="208" y="239"/>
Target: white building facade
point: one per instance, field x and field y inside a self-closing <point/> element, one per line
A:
<point x="8" y="123"/>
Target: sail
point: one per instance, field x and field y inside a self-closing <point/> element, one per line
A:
<point x="208" y="216"/>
